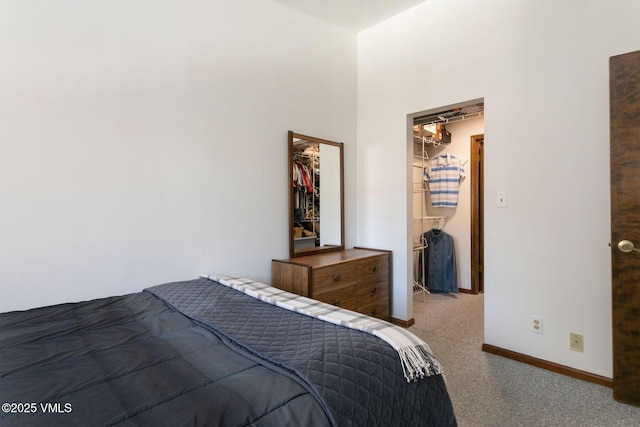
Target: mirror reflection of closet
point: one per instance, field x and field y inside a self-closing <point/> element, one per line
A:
<point x="316" y="197"/>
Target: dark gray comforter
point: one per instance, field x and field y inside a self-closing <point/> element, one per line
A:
<point x="199" y="353"/>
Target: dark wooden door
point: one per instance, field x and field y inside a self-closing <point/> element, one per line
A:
<point x="624" y="92"/>
<point x="477" y="213"/>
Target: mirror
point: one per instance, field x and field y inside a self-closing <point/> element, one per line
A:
<point x="316" y="195"/>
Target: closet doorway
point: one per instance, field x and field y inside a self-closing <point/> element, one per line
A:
<point x="454" y="133"/>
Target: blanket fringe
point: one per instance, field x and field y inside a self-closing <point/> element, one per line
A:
<point x="417" y="362"/>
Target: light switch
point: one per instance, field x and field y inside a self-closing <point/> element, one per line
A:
<point x="502" y="199"/>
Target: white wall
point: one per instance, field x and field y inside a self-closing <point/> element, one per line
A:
<point x="144" y="142"/>
<point x="542" y="68"/>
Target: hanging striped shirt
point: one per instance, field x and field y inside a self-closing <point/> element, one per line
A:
<point x="443" y="173"/>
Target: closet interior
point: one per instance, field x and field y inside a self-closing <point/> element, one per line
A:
<point x="306" y="195"/>
<point x="423" y="137"/>
<point x="437" y="175"/>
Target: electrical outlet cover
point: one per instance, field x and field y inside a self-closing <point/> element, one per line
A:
<point x="501" y="199"/>
<point x="536" y="324"/>
<point x="576" y="342"/>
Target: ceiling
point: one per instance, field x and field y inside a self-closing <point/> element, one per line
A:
<point x="354" y="15"/>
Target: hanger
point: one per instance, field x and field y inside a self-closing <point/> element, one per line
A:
<point x="439" y="222"/>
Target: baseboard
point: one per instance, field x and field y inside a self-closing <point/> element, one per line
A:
<point x="403" y="323"/>
<point x="549" y="366"/>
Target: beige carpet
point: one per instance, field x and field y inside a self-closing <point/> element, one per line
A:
<point x="489" y="390"/>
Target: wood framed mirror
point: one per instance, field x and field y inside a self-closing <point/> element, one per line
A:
<point x="316" y="195"/>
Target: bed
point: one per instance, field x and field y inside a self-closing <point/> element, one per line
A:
<point x="213" y="351"/>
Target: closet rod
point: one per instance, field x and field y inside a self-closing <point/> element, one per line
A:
<point x="425" y="139"/>
<point x="447" y="120"/>
<point x="433" y="218"/>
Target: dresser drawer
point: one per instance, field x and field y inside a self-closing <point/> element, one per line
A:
<point x="341" y="297"/>
<point x="373" y="290"/>
<point x="379" y="310"/>
<point x="372" y="267"/>
<point x="333" y="277"/>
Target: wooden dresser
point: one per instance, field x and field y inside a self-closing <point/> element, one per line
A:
<point x="356" y="279"/>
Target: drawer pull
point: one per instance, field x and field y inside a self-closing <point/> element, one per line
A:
<point x="374" y="311"/>
<point x="336" y="277"/>
<point x="336" y="303"/>
<point x="374" y="290"/>
<point x="374" y="268"/>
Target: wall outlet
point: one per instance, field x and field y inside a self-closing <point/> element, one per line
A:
<point x="536" y="324"/>
<point x="576" y="342"/>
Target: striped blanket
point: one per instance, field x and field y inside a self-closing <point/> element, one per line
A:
<point x="416" y="356"/>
